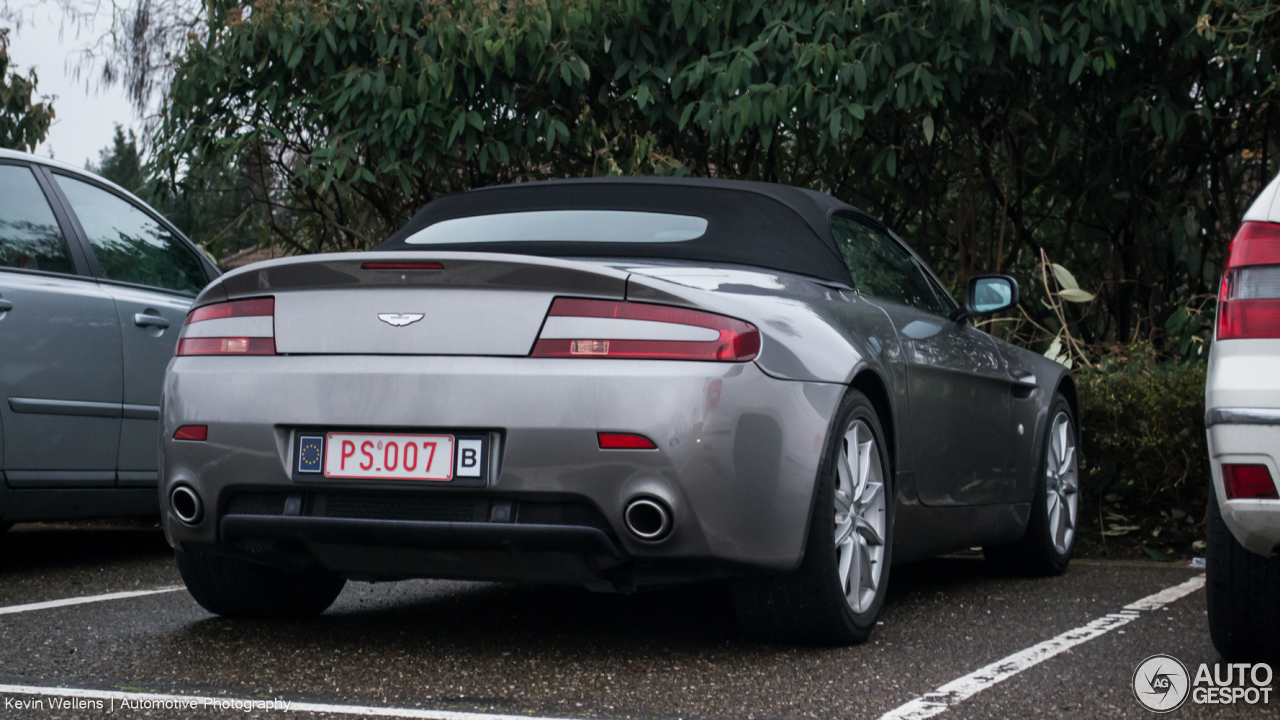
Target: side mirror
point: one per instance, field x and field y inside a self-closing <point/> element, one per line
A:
<point x="987" y="294"/>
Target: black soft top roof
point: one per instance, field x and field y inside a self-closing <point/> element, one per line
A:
<point x="748" y="223"/>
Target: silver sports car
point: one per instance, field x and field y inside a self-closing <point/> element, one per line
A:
<point x="614" y="383"/>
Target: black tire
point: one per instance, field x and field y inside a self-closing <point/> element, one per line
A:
<point x="239" y="589"/>
<point x="1035" y="553"/>
<point x="808" y="605"/>
<point x="1243" y="591"/>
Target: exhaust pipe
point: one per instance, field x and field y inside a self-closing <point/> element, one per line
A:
<point x="648" y="519"/>
<point x="186" y="504"/>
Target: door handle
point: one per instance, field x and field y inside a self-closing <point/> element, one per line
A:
<point x="1023" y="377"/>
<point x="5" y="306"/>
<point x="145" y="320"/>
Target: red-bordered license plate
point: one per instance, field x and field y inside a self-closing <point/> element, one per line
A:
<point x="389" y="456"/>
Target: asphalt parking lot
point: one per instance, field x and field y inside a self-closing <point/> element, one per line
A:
<point x="399" y="649"/>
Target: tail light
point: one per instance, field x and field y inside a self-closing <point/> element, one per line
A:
<point x="577" y="328"/>
<point x="1248" y="482"/>
<point x="1249" y="301"/>
<point x="239" y="327"/>
<point x="402" y="266"/>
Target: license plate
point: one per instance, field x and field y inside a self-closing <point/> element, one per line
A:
<point x="389" y="456"/>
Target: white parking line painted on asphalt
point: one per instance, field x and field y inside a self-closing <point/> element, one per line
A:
<point x="159" y="701"/>
<point x="961" y="689"/>
<point x="86" y="599"/>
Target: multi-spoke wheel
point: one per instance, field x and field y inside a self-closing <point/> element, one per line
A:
<point x="835" y="595"/>
<point x="859" y="516"/>
<point x="1045" y="547"/>
<point x="1062" y="481"/>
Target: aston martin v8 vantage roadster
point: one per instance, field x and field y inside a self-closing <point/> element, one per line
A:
<point x="612" y="383"/>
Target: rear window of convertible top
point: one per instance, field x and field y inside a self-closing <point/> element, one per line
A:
<point x="596" y="226"/>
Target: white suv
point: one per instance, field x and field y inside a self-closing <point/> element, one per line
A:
<point x="1242" y="402"/>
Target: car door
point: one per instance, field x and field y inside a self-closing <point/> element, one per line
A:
<point x="60" y="355"/>
<point x="961" y="438"/>
<point x="152" y="275"/>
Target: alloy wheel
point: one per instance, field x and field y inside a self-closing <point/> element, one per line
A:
<point x="859" y="516"/>
<point x="1061" y="482"/>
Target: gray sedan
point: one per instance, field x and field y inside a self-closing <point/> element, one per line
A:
<point x="613" y="383"/>
<point x="94" y="287"/>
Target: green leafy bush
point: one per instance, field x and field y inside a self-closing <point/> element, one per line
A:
<point x="1145" y="462"/>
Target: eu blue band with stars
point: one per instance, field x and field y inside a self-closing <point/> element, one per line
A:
<point x="311" y="454"/>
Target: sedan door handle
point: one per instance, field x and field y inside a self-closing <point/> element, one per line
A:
<point x="145" y="320"/>
<point x="5" y="306"/>
<point x="1024" y="377"/>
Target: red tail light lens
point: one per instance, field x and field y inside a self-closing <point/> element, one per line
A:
<point x="227" y="346"/>
<point x="233" y="328"/>
<point x="256" y="307"/>
<point x="1248" y="482"/>
<point x="1249" y="301"/>
<point x="1256" y="243"/>
<point x="622" y="441"/>
<point x="733" y="340"/>
<point x="192" y="432"/>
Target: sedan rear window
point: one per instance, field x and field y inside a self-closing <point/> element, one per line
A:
<point x="595" y="226"/>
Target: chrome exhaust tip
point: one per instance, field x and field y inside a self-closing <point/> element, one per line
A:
<point x="186" y="504"/>
<point x="648" y="519"/>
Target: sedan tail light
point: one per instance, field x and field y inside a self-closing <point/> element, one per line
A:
<point x="578" y="328"/>
<point x="1248" y="482"/>
<point x="1249" y="302"/>
<point x="239" y="327"/>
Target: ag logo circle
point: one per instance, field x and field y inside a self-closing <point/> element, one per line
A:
<point x="1161" y="683"/>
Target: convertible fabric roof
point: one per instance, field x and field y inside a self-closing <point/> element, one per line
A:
<point x="748" y="223"/>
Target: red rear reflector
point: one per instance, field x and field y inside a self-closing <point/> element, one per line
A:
<point x="227" y="346"/>
<point x="192" y="432"/>
<point x="1248" y="482"/>
<point x="402" y="266"/>
<point x="1256" y="243"/>
<point x="738" y="342"/>
<point x="621" y="441"/>
<point x="256" y="307"/>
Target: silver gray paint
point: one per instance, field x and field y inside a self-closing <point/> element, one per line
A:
<point x="61" y="341"/>
<point x="739" y="475"/>
<point x="81" y="367"/>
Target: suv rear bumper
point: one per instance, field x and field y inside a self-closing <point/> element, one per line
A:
<point x="1247" y="436"/>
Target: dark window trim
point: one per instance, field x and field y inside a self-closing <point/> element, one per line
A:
<point x="931" y="280"/>
<point x="74" y="248"/>
<point x="201" y="260"/>
<point x="149" y="288"/>
<point x="45" y="273"/>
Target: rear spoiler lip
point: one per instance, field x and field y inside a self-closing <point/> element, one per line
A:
<point x="343" y="270"/>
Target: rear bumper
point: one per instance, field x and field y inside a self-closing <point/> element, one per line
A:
<point x="1247" y="436"/>
<point x="737" y="456"/>
<point x="420" y="534"/>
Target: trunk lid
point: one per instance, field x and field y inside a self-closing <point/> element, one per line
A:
<point x="475" y="304"/>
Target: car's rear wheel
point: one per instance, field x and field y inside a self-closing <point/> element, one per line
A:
<point x="1045" y="547"/>
<point x="235" y="588"/>
<point x="1243" y="591"/>
<point x="835" y="596"/>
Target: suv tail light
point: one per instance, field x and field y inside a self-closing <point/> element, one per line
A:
<point x="1248" y="482"/>
<point x="239" y="327"/>
<point x="1249" y="302"/>
<point x="578" y="328"/>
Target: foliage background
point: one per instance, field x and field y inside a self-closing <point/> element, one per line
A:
<point x="24" y="118"/>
